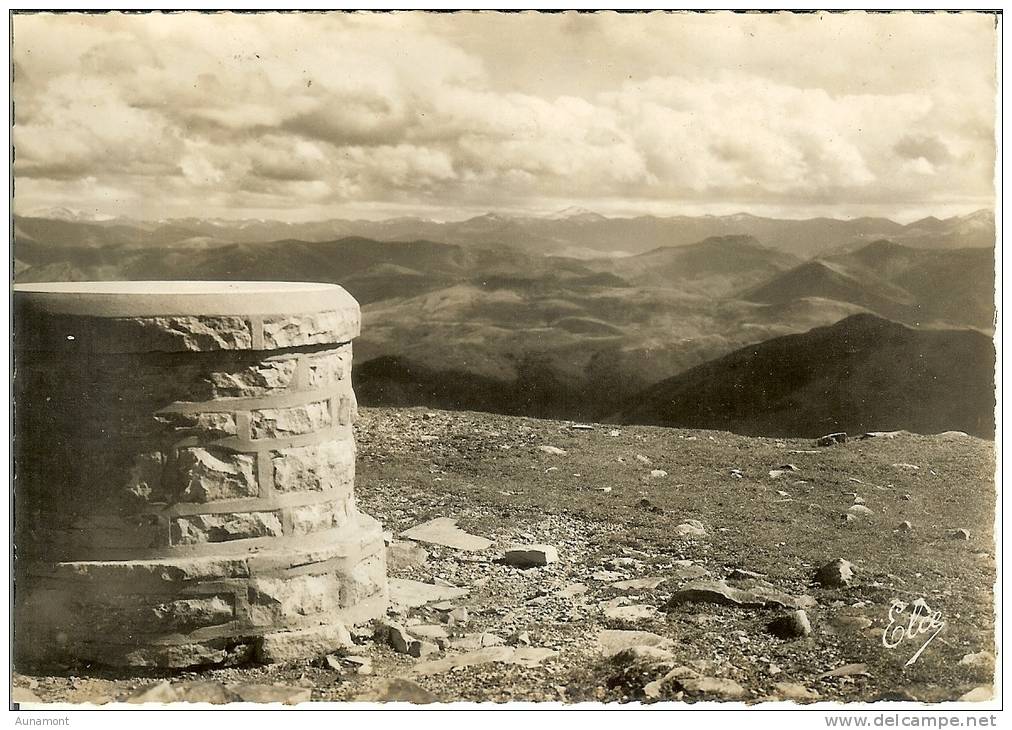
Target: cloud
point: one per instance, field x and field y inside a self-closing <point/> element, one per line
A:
<point x="281" y="112"/>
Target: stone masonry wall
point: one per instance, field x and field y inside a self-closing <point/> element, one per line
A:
<point x="185" y="489"/>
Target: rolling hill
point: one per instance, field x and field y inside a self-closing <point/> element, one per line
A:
<point x="502" y="329"/>
<point x="718" y="266"/>
<point x="861" y="374"/>
<point x="912" y="285"/>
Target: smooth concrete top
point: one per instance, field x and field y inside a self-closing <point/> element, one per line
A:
<point x="182" y="298"/>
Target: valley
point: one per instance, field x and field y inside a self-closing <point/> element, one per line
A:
<point x="528" y="316"/>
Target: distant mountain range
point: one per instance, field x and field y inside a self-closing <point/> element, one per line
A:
<point x="572" y="232"/>
<point x="863" y="373"/>
<point x="487" y="325"/>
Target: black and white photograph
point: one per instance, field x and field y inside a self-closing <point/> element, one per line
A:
<point x="500" y="359"/>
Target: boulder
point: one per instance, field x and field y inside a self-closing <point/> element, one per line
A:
<point x="792" y="625"/>
<point x="271" y="693"/>
<point x="836" y="573"/>
<point x="795" y="692"/>
<point x="612" y="641"/>
<point x="531" y="556"/>
<point x="722" y="689"/>
<point x="721" y="593"/>
<point x="396" y="689"/>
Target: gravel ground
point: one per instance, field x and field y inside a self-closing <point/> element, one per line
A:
<point x="612" y="506"/>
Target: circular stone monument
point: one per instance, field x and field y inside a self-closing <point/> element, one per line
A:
<point x="184" y="461"/>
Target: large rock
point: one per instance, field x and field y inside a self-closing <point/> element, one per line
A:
<point x="287" y="646"/>
<point x="796" y="692"/>
<point x="271" y="693"/>
<point x="612" y="641"/>
<point x="531" y="556"/>
<point x="396" y="689"/>
<point x="836" y="573"/>
<point x="721" y="593"/>
<point x="793" y="625"/>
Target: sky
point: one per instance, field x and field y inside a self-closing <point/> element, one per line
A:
<point x="307" y="116"/>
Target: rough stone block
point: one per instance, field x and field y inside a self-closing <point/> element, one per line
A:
<point x="283" y="422"/>
<point x="208" y="475"/>
<point x="367" y="579"/>
<point x="195" y="529"/>
<point x="273" y="600"/>
<point x="172" y="334"/>
<point x="321" y="516"/>
<point x="288" y="646"/>
<point x="206" y="425"/>
<point x="327" y="368"/>
<point x="317" y="328"/>
<point x="144" y="572"/>
<point x="347" y="410"/>
<point x="179" y="656"/>
<point x="330" y="465"/>
<point x="148" y="614"/>
<point x="268" y="376"/>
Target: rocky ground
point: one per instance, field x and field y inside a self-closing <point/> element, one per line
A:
<point x="688" y="568"/>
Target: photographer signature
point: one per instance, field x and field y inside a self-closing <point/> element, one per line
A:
<point x="904" y="625"/>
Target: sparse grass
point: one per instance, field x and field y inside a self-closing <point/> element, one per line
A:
<point x="413" y="468"/>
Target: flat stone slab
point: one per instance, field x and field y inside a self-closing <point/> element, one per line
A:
<point x="271" y="694"/>
<point x="396" y="689"/>
<point x="413" y="593"/>
<point x="444" y="531"/>
<point x="613" y="641"/>
<point x="525" y="656"/>
<point x="719" y="592"/>
<point x="636" y="612"/>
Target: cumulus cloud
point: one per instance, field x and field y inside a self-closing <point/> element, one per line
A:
<point x="224" y="114"/>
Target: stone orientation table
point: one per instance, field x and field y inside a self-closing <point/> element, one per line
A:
<point x="184" y="474"/>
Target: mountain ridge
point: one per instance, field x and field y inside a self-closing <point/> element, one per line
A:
<point x="862" y="373"/>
